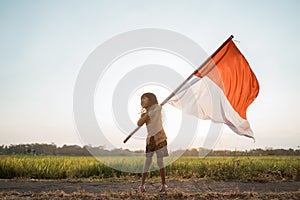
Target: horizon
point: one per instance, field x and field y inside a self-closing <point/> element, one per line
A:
<point x="133" y="150"/>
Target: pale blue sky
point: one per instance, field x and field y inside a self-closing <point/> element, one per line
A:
<point x="44" y="44"/>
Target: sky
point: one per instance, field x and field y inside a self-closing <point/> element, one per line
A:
<point x="45" y="43"/>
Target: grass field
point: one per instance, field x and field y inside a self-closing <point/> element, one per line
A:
<point x="270" y="168"/>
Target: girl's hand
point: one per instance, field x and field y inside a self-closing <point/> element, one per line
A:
<point x="143" y="111"/>
<point x="144" y="117"/>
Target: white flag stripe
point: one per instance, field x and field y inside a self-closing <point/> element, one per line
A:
<point x="204" y="99"/>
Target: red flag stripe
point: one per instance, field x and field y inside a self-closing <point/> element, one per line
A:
<point x="231" y="72"/>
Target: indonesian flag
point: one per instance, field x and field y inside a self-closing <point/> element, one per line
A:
<point x="221" y="90"/>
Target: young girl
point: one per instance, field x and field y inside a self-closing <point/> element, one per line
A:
<point x="156" y="138"/>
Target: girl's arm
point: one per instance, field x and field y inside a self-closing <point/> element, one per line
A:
<point x="143" y="119"/>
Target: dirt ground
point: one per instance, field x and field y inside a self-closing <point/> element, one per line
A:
<point x="178" y="189"/>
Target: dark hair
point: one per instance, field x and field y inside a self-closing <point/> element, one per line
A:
<point x="151" y="97"/>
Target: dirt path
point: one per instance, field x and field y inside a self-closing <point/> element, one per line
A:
<point x="105" y="189"/>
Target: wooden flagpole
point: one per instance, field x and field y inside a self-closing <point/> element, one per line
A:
<point x="182" y="84"/>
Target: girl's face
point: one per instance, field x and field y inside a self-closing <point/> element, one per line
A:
<point x="145" y="102"/>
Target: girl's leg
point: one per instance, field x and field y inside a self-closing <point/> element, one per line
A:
<point x="160" y="163"/>
<point x="146" y="169"/>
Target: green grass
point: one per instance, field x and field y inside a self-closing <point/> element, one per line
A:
<point x="270" y="168"/>
<point x="238" y="168"/>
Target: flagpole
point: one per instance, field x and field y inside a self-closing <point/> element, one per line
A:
<point x="183" y="83"/>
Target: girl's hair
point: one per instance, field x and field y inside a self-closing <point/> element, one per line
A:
<point x="151" y="97"/>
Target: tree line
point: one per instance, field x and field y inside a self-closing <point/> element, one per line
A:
<point x="75" y="150"/>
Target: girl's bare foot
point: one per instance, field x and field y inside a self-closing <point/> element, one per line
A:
<point x="163" y="188"/>
<point x="142" y="188"/>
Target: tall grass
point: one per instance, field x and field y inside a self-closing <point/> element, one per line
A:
<point x="239" y="168"/>
<point x="211" y="168"/>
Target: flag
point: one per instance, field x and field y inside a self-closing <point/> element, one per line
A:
<point x="221" y="90"/>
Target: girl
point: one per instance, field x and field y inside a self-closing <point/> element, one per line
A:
<point x="156" y="138"/>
